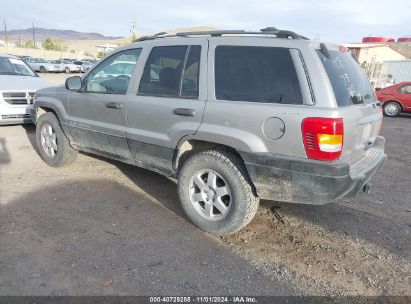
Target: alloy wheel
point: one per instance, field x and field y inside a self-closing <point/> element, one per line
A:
<point x="48" y="140"/>
<point x="210" y="194"/>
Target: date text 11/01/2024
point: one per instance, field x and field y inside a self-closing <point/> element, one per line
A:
<point x="206" y="299"/>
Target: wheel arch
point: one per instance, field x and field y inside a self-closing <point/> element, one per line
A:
<point x="188" y="147"/>
<point x="41" y="107"/>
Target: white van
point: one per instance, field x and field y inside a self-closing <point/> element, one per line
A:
<point x="18" y="83"/>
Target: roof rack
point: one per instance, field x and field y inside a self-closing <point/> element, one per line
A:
<point x="272" y="31"/>
<point x="158" y="35"/>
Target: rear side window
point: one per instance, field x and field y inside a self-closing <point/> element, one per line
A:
<point x="256" y="74"/>
<point x="405" y="89"/>
<point x="349" y="82"/>
<point x="171" y="71"/>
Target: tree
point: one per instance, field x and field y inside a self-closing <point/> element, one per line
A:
<point x="29" y="44"/>
<point x="48" y="44"/>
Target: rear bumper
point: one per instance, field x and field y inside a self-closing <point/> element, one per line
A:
<point x="299" y="180"/>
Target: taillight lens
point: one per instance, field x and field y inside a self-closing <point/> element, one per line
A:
<point x="323" y="137"/>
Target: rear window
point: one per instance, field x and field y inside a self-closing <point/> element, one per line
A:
<point x="349" y="82"/>
<point x="256" y="74"/>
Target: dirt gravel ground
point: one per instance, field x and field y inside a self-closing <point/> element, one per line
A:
<point x="102" y="227"/>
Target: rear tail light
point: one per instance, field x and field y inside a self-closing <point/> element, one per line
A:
<point x="323" y="137"/>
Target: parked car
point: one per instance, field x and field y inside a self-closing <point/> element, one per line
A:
<point x="258" y="115"/>
<point x="85" y="65"/>
<point x="42" y="65"/>
<point x="88" y="60"/>
<point x="116" y="69"/>
<point x="396" y="99"/>
<point x="68" y="66"/>
<point x="18" y="83"/>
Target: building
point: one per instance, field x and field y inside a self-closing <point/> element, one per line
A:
<point x="393" y="71"/>
<point x="372" y="56"/>
<point x="7" y="43"/>
<point x="106" y="48"/>
<point x="374" y="52"/>
<point x="404" y="39"/>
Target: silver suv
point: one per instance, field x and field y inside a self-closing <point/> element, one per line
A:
<point x="235" y="116"/>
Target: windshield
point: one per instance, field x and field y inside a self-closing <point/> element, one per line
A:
<point x="14" y="66"/>
<point x="349" y="82"/>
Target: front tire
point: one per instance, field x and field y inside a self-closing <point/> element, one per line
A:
<point x="53" y="145"/>
<point x="67" y="70"/>
<point x="392" y="109"/>
<point x="42" y="69"/>
<point x="216" y="193"/>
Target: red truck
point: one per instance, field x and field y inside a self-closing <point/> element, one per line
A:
<point x="396" y="98"/>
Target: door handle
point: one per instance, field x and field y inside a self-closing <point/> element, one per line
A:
<point x="114" y="105"/>
<point x="184" y="112"/>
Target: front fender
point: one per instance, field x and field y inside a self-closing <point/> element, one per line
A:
<point x="57" y="104"/>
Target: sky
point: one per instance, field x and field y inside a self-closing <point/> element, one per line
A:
<point x="333" y="20"/>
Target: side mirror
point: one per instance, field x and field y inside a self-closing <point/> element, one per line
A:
<point x="73" y="83"/>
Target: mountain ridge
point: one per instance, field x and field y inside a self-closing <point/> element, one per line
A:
<point x="43" y="33"/>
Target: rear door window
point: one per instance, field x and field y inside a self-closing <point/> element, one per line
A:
<point x="256" y="74"/>
<point x="172" y="71"/>
<point x="349" y="82"/>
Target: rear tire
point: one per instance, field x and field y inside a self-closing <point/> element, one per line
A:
<point x="392" y="109"/>
<point x="213" y="178"/>
<point x="67" y="70"/>
<point x="42" y="69"/>
<point x="53" y="145"/>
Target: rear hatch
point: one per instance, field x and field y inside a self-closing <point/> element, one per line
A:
<point x="356" y="102"/>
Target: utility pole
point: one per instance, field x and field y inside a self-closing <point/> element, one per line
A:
<point x="5" y="31"/>
<point x="133" y="30"/>
<point x="34" y="35"/>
